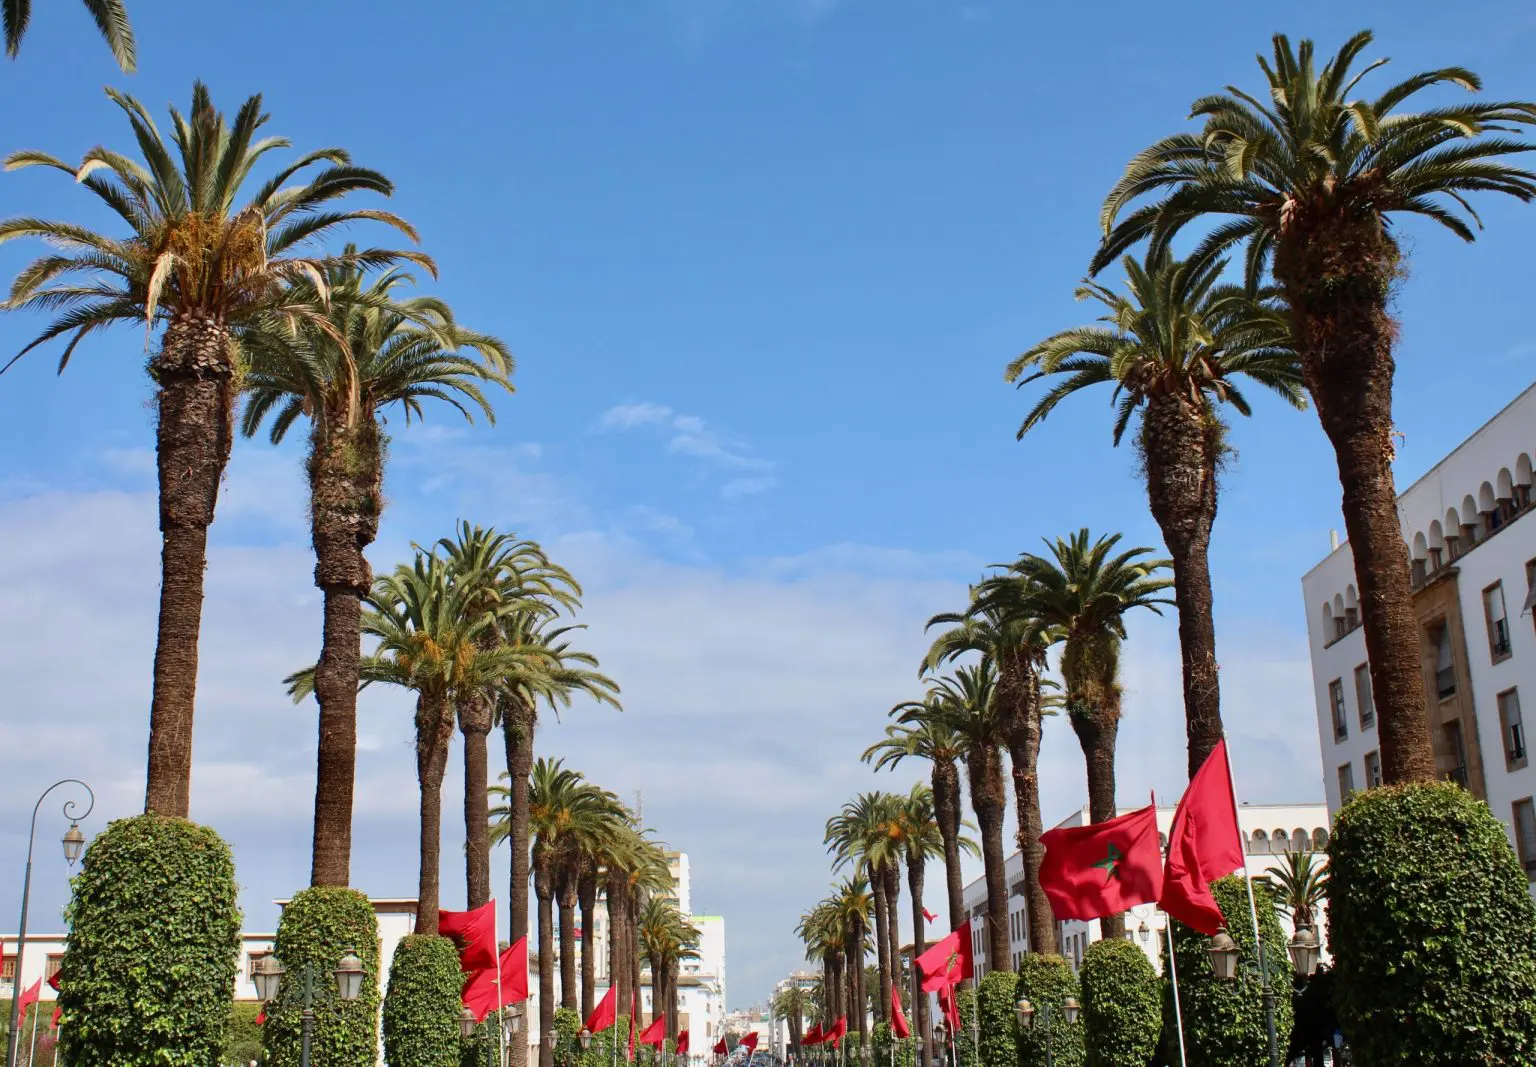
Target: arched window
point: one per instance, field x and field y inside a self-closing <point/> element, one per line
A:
<point x="1469" y="522"/>
<point x="1487" y="509"/>
<point x="1436" y="547"/>
<point x="1319" y="839"/>
<point x="1259" y="843"/>
<point x="1351" y="607"/>
<point x="1523" y="481"/>
<point x="1301" y="841"/>
<point x="1454" y="546"/>
<point x="1419" y="557"/>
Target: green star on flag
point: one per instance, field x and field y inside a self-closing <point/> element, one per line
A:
<point x="1111" y="862"/>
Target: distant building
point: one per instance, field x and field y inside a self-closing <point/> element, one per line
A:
<point x="1472" y="547"/>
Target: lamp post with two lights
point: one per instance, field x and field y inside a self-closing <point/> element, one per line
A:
<point x="268" y="978"/>
<point x="1304" y="949"/>
<point x="1028" y="1013"/>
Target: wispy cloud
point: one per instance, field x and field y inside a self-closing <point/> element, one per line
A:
<point x="690" y="435"/>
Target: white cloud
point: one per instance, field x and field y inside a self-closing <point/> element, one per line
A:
<point x="690" y="435"/>
<point x="628" y="416"/>
<point x="738" y="487"/>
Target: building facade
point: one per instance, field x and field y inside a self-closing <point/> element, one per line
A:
<point x="1472" y="544"/>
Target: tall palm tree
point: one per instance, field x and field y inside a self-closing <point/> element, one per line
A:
<point x="1175" y="346"/>
<point x="1308" y="176"/>
<point x="636" y="869"/>
<point x="1303" y="886"/>
<point x="821" y="930"/>
<point x="853" y="905"/>
<point x="666" y="939"/>
<point x="792" y="1005"/>
<point x="918" y="829"/>
<point x="1011" y="635"/>
<point x="212" y="270"/>
<point x="923" y="733"/>
<point x="110" y="16"/>
<point x="372" y="354"/>
<point x="863" y="834"/>
<point x="967" y="702"/>
<point x="1081" y="594"/>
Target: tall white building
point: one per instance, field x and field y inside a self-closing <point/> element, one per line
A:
<point x="1472" y="543"/>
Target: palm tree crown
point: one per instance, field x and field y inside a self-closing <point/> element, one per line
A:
<point x="110" y="16"/>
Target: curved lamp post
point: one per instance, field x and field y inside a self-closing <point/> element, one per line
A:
<point x="267" y="976"/>
<point x="1303" y="948"/>
<point x="74" y="841"/>
<point x="1027" y="1013"/>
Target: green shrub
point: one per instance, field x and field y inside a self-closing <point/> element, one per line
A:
<point x="1224" y="1021"/>
<point x="601" y="1052"/>
<point x="242" y="1040"/>
<point x="881" y="1039"/>
<point x="153" y="948"/>
<point x="1432" y="929"/>
<point x="421" y="1008"/>
<point x="318" y="927"/>
<point x="1122" y="1006"/>
<point x="999" y="1045"/>
<point x="1049" y="981"/>
<point x="965" y="1040"/>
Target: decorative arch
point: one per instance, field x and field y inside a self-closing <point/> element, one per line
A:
<point x="1523" y="470"/>
<point x="1319" y="839"/>
<point x="1486" y="501"/>
<point x="1259" y="842"/>
<point x="1301" y="841"/>
<point x="1436" y="536"/>
<point x="1504" y="485"/>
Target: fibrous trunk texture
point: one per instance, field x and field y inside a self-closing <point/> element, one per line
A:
<point x="916" y="862"/>
<point x="545" y="894"/>
<point x="1096" y="721"/>
<point x="989" y="800"/>
<point x="566" y="895"/>
<point x="882" y="949"/>
<point x="946" y="812"/>
<point x="1019" y="692"/>
<point x="434" y="732"/>
<point x="586" y="898"/>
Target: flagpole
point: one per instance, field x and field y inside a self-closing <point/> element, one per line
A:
<point x="501" y="1005"/>
<point x="1253" y="914"/>
<point x="37" y="1009"/>
<point x="1173" y="969"/>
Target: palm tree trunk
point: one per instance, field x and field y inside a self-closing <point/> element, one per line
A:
<point x="544" y="892"/>
<point x="586" y="897"/>
<point x="882" y="949"/>
<point x="566" y="894"/>
<point x="858" y="1000"/>
<point x="916" y="863"/>
<point x="345" y="479"/>
<point x="989" y="800"/>
<point x="518" y="718"/>
<point x="434" y="732"/>
<point x="475" y="724"/>
<point x="1022" y="728"/>
<point x="946" y="812"/>
<point x="1182" y="445"/>
<point x="618" y="942"/>
<point x="192" y="440"/>
<point x="1337" y="274"/>
<point x="892" y="874"/>
<point x="673" y="1016"/>
<point x="1096" y="732"/>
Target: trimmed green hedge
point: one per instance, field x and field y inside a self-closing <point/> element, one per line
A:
<point x="422" y="1006"/>
<point x="965" y="1040"/>
<point x="1049" y="980"/>
<point x="1122" y="1005"/>
<point x="242" y="1041"/>
<point x="153" y="948"/>
<point x="1433" y="931"/>
<point x="601" y="1052"/>
<point x="880" y="1040"/>
<point x="1224" y="1021"/>
<point x="999" y="1044"/>
<point x="319" y="926"/>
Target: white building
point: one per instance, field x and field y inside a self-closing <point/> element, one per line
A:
<point x="1268" y="830"/>
<point x="1473" y="549"/>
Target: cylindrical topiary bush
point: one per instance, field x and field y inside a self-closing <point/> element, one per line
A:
<point x="422" y="1005"/>
<point x="881" y="1039"/>
<point x="1122" y="1006"/>
<point x="318" y="927"/>
<point x="148" y="976"/>
<point x="965" y="1039"/>
<point x="602" y="1053"/>
<point x="1049" y="981"/>
<point x="1432" y="929"/>
<point x="996" y="997"/>
<point x="1224" y="1021"/>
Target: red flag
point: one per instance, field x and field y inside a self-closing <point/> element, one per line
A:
<point x="720" y="1049"/>
<point x="475" y="934"/>
<point x="930" y="916"/>
<point x="1104" y="868"/>
<point x="606" y="1013"/>
<point x="261" y="1016"/>
<point x="839" y="1031"/>
<point x="656" y="1033"/>
<point x="480" y="991"/>
<point x="898" y="1017"/>
<point x="58" y="1013"/>
<point x="634" y="1010"/>
<point x="682" y="1042"/>
<point x="1204" y="844"/>
<point x="53" y="982"/>
<point x="749" y="1042"/>
<point x="30" y="996"/>
<point x="811" y="1036"/>
<point x="948" y="962"/>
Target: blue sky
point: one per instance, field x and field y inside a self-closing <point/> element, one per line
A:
<point x="762" y="263"/>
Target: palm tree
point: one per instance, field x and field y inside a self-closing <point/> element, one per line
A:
<point x="1174" y="347"/>
<point x="1081" y="595"/>
<point x="110" y="16"/>
<point x="1308" y="178"/>
<point x="1010" y="634"/>
<point x="821" y="930"/>
<point x="666" y="938"/>
<point x="923" y="733"/>
<point x="791" y="1004"/>
<point x="372" y="354"/>
<point x="212" y="271"/>
<point x="864" y="834"/>
<point x="921" y="840"/>
<point x="635" y="868"/>
<point x="1303" y="885"/>
<point x="853" y="905"/>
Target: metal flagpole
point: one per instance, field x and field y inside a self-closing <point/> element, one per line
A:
<point x="501" y="1008"/>
<point x="1253" y="915"/>
<point x="37" y="1009"/>
<point x="1173" y="970"/>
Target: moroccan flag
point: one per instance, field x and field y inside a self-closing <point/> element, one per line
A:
<point x="30" y="996"/>
<point x="812" y="1036"/>
<point x="682" y="1042"/>
<point x="839" y="1031"/>
<point x="475" y="934"/>
<point x="54" y="981"/>
<point x="949" y="1004"/>
<point x="930" y="916"/>
<point x="948" y="962"/>
<point x="749" y="1042"/>
<point x="898" y="1017"/>
<point x="1104" y="868"/>
<point x="606" y="1013"/>
<point x="720" y="1049"/>
<point x="656" y="1033"/>
<point x="634" y="1010"/>
<point x="1204" y="844"/>
<point x="53" y="1023"/>
<point x="481" y="989"/>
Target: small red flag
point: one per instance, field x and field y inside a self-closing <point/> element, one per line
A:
<point x="930" y="916"/>
<point x="948" y="962"/>
<point x="634" y="1010"/>
<point x="898" y="1017"/>
<point x="682" y="1042"/>
<point x="720" y="1049"/>
<point x="475" y="933"/>
<point x="839" y="1031"/>
<point x="30" y="996"/>
<point x="1204" y="844"/>
<point x="749" y="1042"/>
<point x="812" y="1036"/>
<point x="261" y="1016"/>
<point x="53" y="1023"/>
<point x="606" y="1013"/>
<point x="656" y="1033"/>
<point x="53" y="981"/>
<point x="1104" y="868"/>
<point x="949" y="1004"/>
<point x="480" y="991"/>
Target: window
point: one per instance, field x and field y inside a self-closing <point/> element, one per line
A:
<point x="1445" y="662"/>
<point x="1525" y="836"/>
<point x="1336" y="701"/>
<point x="8" y="969"/>
<point x="1530" y="591"/>
<point x="1363" y="696"/>
<point x="1498" y="621"/>
<point x="1513" y="728"/>
<point x="1456" y="749"/>
<point x="55" y="962"/>
<point x="256" y="957"/>
<point x="1372" y="770"/>
<point x="1346" y="782"/>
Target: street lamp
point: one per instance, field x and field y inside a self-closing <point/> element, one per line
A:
<point x="74" y="841"/>
<point x="1027" y="1014"/>
<point x="467" y="1024"/>
<point x="267" y="976"/>
<point x="1145" y="932"/>
<point x="1224" y="954"/>
<point x="1304" y="949"/>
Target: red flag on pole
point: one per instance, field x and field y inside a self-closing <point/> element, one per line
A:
<point x="898" y="1017"/>
<point x="475" y="933"/>
<point x="720" y="1049"/>
<point x="1104" y="868"/>
<point x="656" y="1033"/>
<point x="53" y="982"/>
<point x="1204" y="844"/>
<point x="839" y="1031"/>
<point x="606" y="1013"/>
<point x="682" y="1042"/>
<point x="930" y="916"/>
<point x="948" y="962"/>
<point x="634" y="1010"/>
<point x="480" y="991"/>
<point x="749" y="1042"/>
<point x="949" y="1004"/>
<point x="812" y="1036"/>
<point x="53" y="1023"/>
<point x="30" y="996"/>
<point x="261" y="1016"/>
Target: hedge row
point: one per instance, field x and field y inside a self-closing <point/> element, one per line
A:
<point x="318" y="927"/>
